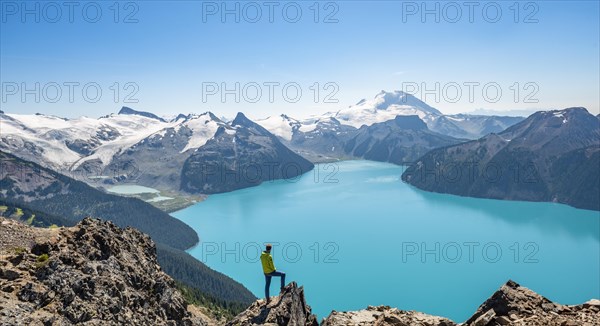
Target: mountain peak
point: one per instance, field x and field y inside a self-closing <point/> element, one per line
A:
<point x="383" y="100"/>
<point x="181" y="116"/>
<point x="129" y="111"/>
<point x="537" y="122"/>
<point x="392" y="93"/>
<point x="241" y="120"/>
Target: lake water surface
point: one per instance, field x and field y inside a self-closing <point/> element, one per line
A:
<point x="354" y="235"/>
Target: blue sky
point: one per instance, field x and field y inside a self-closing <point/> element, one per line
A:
<point x="173" y="50"/>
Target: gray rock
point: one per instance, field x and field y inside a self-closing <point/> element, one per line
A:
<point x="384" y="316"/>
<point x="96" y="273"/>
<point x="289" y="308"/>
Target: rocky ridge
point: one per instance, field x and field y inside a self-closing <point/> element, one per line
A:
<point x="512" y="304"/>
<point x="94" y="273"/>
<point x="288" y="308"/>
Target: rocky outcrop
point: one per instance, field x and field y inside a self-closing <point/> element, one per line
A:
<point x="94" y="273"/>
<point x="513" y="304"/>
<point x="384" y="316"/>
<point x="289" y="308"/>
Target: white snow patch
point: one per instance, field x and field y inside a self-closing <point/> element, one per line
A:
<point x="203" y="129"/>
<point x="281" y="126"/>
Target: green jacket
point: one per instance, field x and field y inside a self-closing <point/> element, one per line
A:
<point x="267" y="262"/>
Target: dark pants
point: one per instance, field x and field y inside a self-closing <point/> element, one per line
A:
<point x="268" y="281"/>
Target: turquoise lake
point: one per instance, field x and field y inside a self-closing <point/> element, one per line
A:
<point x="354" y="235"/>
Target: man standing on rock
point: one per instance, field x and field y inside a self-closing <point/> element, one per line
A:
<point x="269" y="269"/>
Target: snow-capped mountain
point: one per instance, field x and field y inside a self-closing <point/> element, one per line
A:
<point x="318" y="138"/>
<point x="385" y="106"/>
<point x="130" y="146"/>
<point x="66" y="144"/>
<point x="281" y="126"/>
<point x="241" y="154"/>
<point x="152" y="150"/>
<point x="324" y="136"/>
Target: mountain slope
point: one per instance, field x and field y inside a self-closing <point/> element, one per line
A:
<point x="324" y="137"/>
<point x="36" y="190"/>
<point x="385" y="106"/>
<point x="512" y="304"/>
<point x="471" y="126"/>
<point x="65" y="144"/>
<point x="242" y="154"/>
<point x="125" y="110"/>
<point x="550" y="156"/>
<point x="401" y="140"/>
<point x="93" y="273"/>
<point x="26" y="183"/>
<point x="191" y="272"/>
<point x="133" y="146"/>
<point x="158" y="159"/>
<point x="11" y="210"/>
<point x="319" y="138"/>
